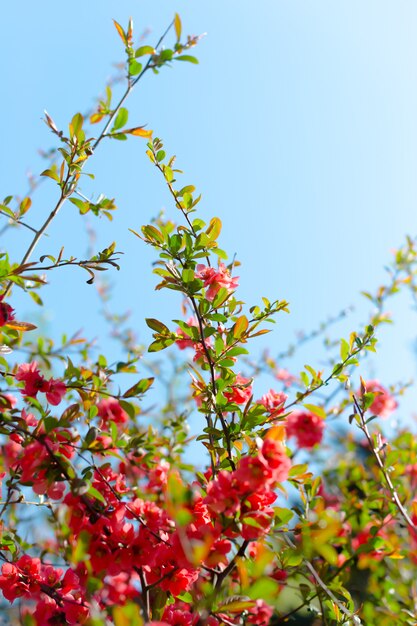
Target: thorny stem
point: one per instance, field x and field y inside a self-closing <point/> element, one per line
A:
<point x="395" y="497"/>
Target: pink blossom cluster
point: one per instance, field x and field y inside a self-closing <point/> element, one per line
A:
<point x="186" y="342"/>
<point x="214" y="280"/>
<point x="306" y="427"/>
<point x="58" y="594"/>
<point x="241" y="390"/>
<point x="274" y="402"/>
<point x="35" y="460"/>
<point x="34" y="382"/>
<point x="247" y="493"/>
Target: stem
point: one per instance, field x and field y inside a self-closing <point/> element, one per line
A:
<point x="213" y="383"/>
<point x="330" y="377"/>
<point x="395" y="497"/>
<point x="323" y="585"/>
<point x="130" y="86"/>
<point x="145" y="591"/>
<point x="231" y="565"/>
<point x="178" y="204"/>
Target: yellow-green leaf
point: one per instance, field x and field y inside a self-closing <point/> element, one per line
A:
<point x="139" y="131"/>
<point x="177" y="26"/>
<point x="120" y="31"/>
<point x="317" y="410"/>
<point x="240" y="326"/>
<point x="214" y="228"/>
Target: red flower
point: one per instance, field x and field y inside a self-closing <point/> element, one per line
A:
<point x="274" y="402"/>
<point x="6" y="313"/>
<point x="55" y="392"/>
<point x="306" y="427"/>
<point x="241" y="390"/>
<point x="110" y="411"/>
<point x="29" y="374"/>
<point x="216" y="279"/>
<point x="260" y="614"/>
<point x="275" y="455"/>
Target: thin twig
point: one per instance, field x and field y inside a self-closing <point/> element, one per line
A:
<point x="395" y="497"/>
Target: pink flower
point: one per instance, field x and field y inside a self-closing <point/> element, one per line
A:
<point x="29" y="418"/>
<point x="55" y="392"/>
<point x="285" y="376"/>
<point x="34" y="382"/>
<point x="306" y="427"/>
<point x="276" y="457"/>
<point x="214" y="279"/>
<point x="384" y="404"/>
<point x="29" y="373"/>
<point x="110" y="410"/>
<point x="222" y="494"/>
<point x="241" y="390"/>
<point x="260" y="614"/>
<point x="274" y="402"/>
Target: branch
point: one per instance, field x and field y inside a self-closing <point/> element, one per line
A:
<point x="69" y="186"/>
<point x="395" y="497"/>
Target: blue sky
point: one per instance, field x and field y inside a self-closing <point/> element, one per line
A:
<point x="298" y="127"/>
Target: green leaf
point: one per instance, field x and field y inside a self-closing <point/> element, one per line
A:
<point x="158" y="345"/>
<point x="140" y="52"/>
<point x="128" y="407"/>
<point x="127" y="615"/>
<point x="135" y="67"/>
<point x="317" y="410"/>
<point x="168" y="173"/>
<point x="36" y="297"/>
<point x="76" y="125"/>
<point x="121" y="119"/>
<point x="139" y="388"/>
<point x="264" y="589"/>
<point x="94" y="493"/>
<point x="186" y="189"/>
<point x="81" y="548"/>
<point x="344" y="349"/>
<point x="51" y="174"/>
<point x="152" y="233"/>
<point x="156" y="325"/>
<point x="187" y="57"/>
<point x="187" y="275"/>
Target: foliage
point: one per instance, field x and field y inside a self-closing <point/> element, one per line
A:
<point x="127" y="531"/>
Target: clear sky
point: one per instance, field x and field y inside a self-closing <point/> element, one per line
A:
<point x="299" y="127"/>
